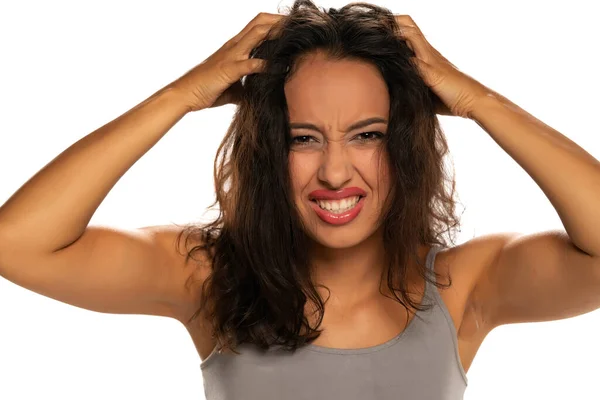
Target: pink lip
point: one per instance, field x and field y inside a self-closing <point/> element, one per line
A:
<point x="338" y="219"/>
<point x="323" y="194"/>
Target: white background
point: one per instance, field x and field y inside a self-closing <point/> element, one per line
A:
<point x="69" y="67"/>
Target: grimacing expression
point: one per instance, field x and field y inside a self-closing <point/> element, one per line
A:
<point x="333" y="95"/>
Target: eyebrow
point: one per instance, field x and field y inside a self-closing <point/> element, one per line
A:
<point x="356" y="125"/>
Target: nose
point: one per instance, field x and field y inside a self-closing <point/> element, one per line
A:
<point x="335" y="169"/>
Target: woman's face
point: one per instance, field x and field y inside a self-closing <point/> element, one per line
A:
<point x="333" y="164"/>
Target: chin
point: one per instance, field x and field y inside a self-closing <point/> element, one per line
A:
<point x="345" y="237"/>
<point x="339" y="240"/>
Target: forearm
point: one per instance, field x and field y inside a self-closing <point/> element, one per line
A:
<point x="53" y="208"/>
<point x="566" y="173"/>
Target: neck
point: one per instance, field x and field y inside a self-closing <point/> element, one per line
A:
<point x="351" y="274"/>
<point x="355" y="275"/>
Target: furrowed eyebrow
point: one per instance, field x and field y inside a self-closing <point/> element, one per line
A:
<point x="357" y="125"/>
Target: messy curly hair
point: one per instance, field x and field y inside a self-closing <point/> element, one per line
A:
<point x="259" y="279"/>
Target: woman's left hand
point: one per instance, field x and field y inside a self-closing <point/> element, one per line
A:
<point x="457" y="91"/>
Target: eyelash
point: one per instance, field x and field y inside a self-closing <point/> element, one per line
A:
<point x="377" y="136"/>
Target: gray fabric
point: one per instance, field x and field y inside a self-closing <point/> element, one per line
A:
<point x="420" y="363"/>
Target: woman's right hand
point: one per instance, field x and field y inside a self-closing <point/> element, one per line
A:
<point x="216" y="81"/>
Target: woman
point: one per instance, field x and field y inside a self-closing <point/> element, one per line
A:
<point x="325" y="274"/>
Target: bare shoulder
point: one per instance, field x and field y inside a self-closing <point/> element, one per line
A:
<point x="192" y="271"/>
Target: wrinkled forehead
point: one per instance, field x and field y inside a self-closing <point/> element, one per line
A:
<point x="336" y="91"/>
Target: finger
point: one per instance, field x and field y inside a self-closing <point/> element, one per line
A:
<point x="415" y="39"/>
<point x="416" y="42"/>
<point x="406" y="20"/>
<point x="403" y="21"/>
<point x="249" y="66"/>
<point x="256" y="35"/>
<point x="260" y="19"/>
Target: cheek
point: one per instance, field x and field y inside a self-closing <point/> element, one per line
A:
<point x="376" y="171"/>
<point x="375" y="166"/>
<point x="385" y="178"/>
<point x="299" y="169"/>
<point x="384" y="174"/>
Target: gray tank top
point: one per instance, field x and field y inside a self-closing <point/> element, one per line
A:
<point x="422" y="362"/>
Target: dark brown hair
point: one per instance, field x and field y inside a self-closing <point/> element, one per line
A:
<point x="259" y="280"/>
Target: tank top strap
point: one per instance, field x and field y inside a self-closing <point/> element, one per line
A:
<point x="431" y="291"/>
<point x="435" y="248"/>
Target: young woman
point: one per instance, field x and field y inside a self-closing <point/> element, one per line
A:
<point x="325" y="274"/>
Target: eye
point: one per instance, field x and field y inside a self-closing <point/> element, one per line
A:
<point x="369" y="136"/>
<point x="302" y="140"/>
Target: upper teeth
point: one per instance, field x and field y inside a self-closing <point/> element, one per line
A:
<point x="338" y="205"/>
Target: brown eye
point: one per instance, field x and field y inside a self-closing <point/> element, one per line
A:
<point x="369" y="136"/>
<point x="302" y="140"/>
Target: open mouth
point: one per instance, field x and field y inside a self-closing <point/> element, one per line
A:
<point x="338" y="206"/>
<point x="338" y="212"/>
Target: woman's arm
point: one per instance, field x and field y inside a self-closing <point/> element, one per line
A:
<point x="53" y="208"/>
